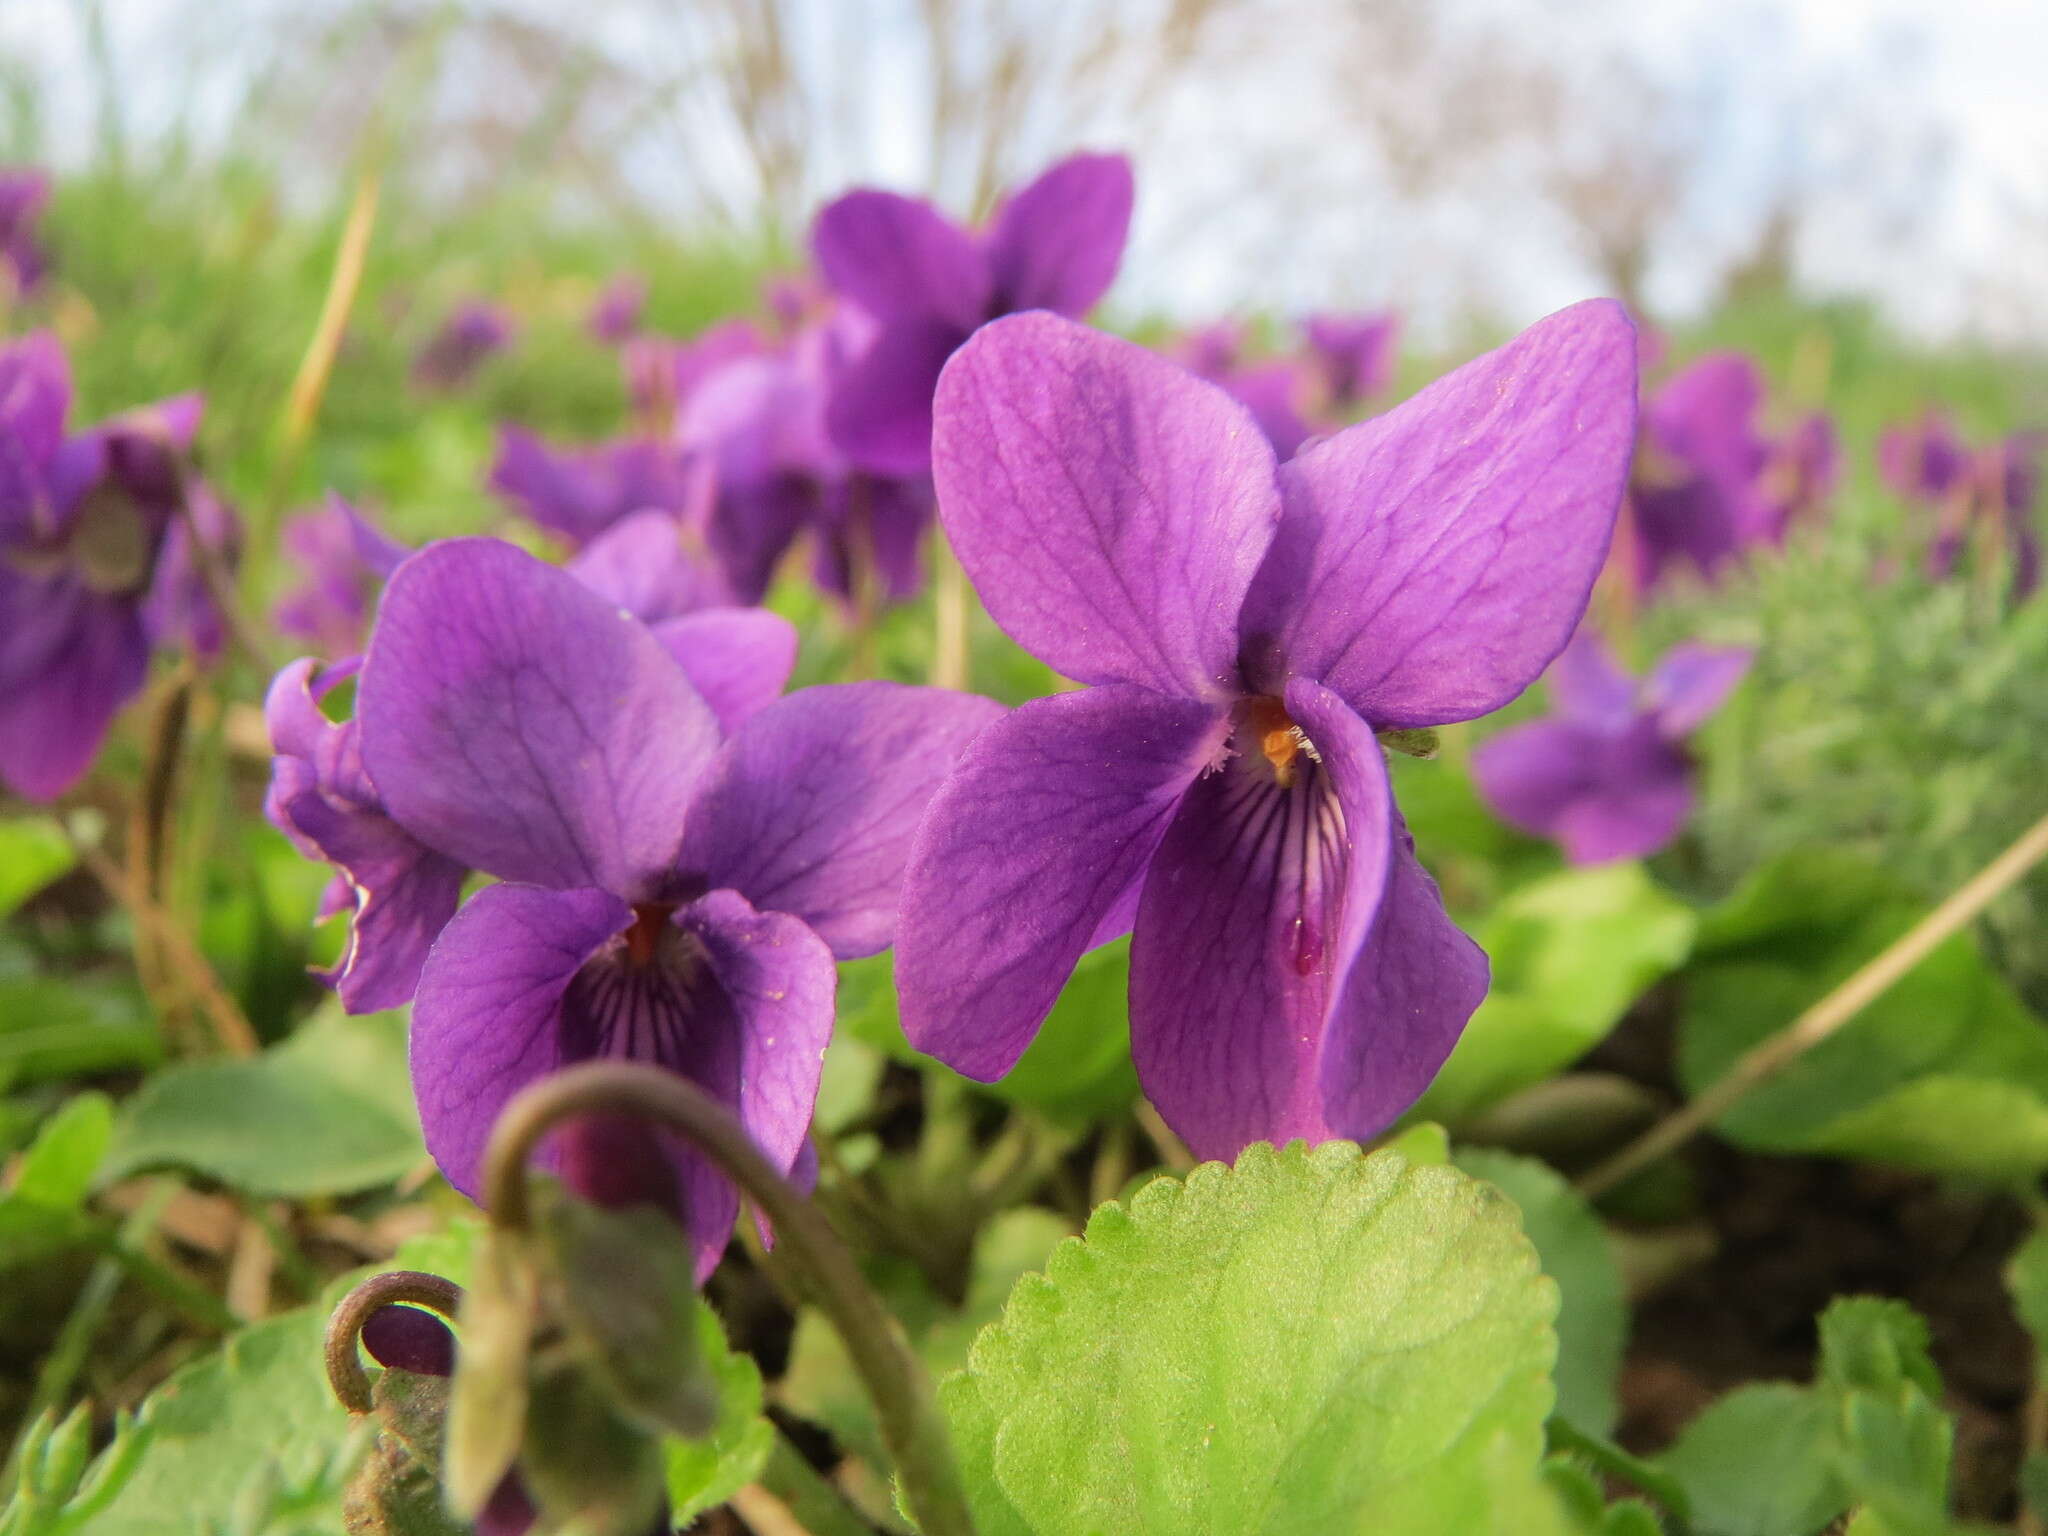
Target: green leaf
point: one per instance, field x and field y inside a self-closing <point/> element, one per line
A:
<point x="1870" y="1433"/>
<point x="328" y="1112"/>
<point x="54" y="1027"/>
<point x="1078" y="1069"/>
<point x="2026" y="1277"/>
<point x="58" y="1168"/>
<point x="1947" y="1071"/>
<point x="1312" y="1340"/>
<point x="257" y="1410"/>
<point x="2034" y="1482"/>
<point x="43" y="1213"/>
<point x="705" y="1473"/>
<point x="1571" y="952"/>
<point x="820" y="1382"/>
<point x="1755" y="1463"/>
<point x="1875" y="1344"/>
<point x="33" y="852"/>
<point x="1592" y="1317"/>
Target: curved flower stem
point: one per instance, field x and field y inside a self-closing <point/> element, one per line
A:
<point x="902" y="1393"/>
<point x="345" y="1374"/>
<point x="1769" y="1057"/>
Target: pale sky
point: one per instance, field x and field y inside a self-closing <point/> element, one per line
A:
<point x="1262" y="204"/>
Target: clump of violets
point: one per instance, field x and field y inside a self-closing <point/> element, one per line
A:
<point x="1983" y="495"/>
<point x="676" y="875"/>
<point x="473" y="333"/>
<point x="927" y="283"/>
<point x="343" y="560"/>
<point x="576" y="493"/>
<point x="1247" y="630"/>
<point x="1606" y="776"/>
<point x="24" y="194"/>
<point x="1711" y="484"/>
<point x="757" y="430"/>
<point x="662" y="374"/>
<point x="97" y="564"/>
<point x="1351" y="356"/>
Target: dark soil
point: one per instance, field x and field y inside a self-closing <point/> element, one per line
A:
<point x="1791" y="1234"/>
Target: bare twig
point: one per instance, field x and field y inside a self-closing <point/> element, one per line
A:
<point x="1767" y="1059"/>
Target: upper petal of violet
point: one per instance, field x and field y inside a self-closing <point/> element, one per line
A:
<point x="1433" y="560"/>
<point x="739" y="659"/>
<point x="1110" y="507"/>
<point x="810" y="807"/>
<point x="519" y="723"/>
<point x="899" y="258"/>
<point x="1691" y="682"/>
<point x="1057" y="243"/>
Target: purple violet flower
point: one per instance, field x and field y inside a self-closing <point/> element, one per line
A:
<point x="1702" y="456"/>
<point x="472" y="333"/>
<point x="95" y="568"/>
<point x="24" y="193"/>
<point x="1607" y="775"/>
<point x="662" y="375"/>
<point x="666" y="896"/>
<point x="758" y="428"/>
<point x="1710" y="485"/>
<point x="577" y="493"/>
<point x="1988" y="492"/>
<point x="928" y="283"/>
<point x="398" y="891"/>
<point x="615" y="316"/>
<point x="1353" y="356"/>
<point x="345" y="560"/>
<point x="1270" y="390"/>
<point x="1245" y="628"/>
<point x="1922" y="461"/>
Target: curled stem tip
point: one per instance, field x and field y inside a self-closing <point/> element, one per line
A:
<point x="895" y="1379"/>
<point x="345" y="1374"/>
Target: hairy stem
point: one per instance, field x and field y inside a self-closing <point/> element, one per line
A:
<point x="902" y="1393"/>
<point x="1769" y="1057"/>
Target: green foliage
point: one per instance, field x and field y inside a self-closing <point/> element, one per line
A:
<point x="252" y="1424"/>
<point x="327" y="1112"/>
<point x="33" y="852"/>
<point x="703" y="1473"/>
<point x="1592" y="1315"/>
<point x="43" y="1211"/>
<point x="1571" y="951"/>
<point x="60" y="1490"/>
<point x="1869" y="1435"/>
<point x="820" y="1382"/>
<point x="1947" y="1071"/>
<point x="1077" y="1071"/>
<point x="1309" y="1341"/>
<point x="54" y="1026"/>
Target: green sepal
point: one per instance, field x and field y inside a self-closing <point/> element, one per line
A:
<point x="583" y="1460"/>
<point x="488" y="1404"/>
<point x="622" y="1286"/>
<point x="1420" y="741"/>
